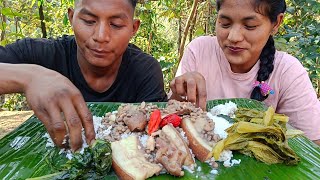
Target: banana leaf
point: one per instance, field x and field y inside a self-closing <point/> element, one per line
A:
<point x="23" y="153"/>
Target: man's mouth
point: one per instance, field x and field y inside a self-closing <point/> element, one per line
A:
<point x="99" y="52"/>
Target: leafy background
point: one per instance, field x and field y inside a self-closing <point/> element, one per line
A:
<point x="167" y="26"/>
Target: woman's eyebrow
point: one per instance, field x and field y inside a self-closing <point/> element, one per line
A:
<point x="253" y="17"/>
<point x="222" y="16"/>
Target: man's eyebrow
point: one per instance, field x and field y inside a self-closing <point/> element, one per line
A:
<point x="250" y="18"/>
<point x="87" y="12"/>
<point x="120" y="16"/>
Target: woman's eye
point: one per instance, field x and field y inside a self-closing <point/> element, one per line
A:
<point x="251" y="27"/>
<point x="225" y="25"/>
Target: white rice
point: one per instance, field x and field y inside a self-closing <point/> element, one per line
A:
<point x="228" y="109"/>
<point x="97" y="124"/>
<point x="221" y="125"/>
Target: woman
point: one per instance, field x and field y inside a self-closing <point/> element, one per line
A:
<point x="242" y="62"/>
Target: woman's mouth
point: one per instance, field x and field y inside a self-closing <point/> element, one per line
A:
<point x="235" y="49"/>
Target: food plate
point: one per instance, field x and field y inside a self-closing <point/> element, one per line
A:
<point x="23" y="153"/>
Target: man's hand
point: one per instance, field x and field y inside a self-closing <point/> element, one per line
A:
<point x="60" y="106"/>
<point x="190" y="86"/>
<point x="317" y="142"/>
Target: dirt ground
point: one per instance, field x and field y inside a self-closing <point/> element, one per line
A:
<point x="9" y="120"/>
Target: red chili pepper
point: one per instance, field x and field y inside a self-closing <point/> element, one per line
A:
<point x="155" y="119"/>
<point x="174" y="119"/>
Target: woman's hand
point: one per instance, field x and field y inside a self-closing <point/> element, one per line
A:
<point x="191" y="87"/>
<point x="60" y="106"/>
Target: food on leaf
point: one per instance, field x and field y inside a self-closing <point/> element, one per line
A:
<point x="263" y="137"/>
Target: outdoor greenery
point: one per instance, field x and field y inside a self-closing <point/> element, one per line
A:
<point x="167" y="26"/>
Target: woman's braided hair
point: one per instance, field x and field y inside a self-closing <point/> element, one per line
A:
<point x="270" y="8"/>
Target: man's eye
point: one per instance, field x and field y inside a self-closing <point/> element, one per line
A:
<point x="116" y="26"/>
<point x="88" y="22"/>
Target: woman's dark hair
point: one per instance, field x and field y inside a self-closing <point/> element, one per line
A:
<point x="133" y="3"/>
<point x="270" y="8"/>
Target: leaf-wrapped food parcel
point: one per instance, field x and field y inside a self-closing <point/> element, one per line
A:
<point x="94" y="163"/>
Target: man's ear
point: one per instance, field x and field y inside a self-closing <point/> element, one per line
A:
<point x="70" y="15"/>
<point x="277" y="24"/>
<point x="136" y="25"/>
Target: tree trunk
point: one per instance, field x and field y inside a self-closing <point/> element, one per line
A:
<point x="43" y="25"/>
<point x="186" y="30"/>
<point x="193" y="24"/>
<point x="4" y="21"/>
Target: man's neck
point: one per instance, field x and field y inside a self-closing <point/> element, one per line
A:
<point x="99" y="79"/>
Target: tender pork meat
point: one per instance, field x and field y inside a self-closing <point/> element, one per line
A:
<point x="179" y="108"/>
<point x="169" y="156"/>
<point x="205" y="127"/>
<point x="133" y="117"/>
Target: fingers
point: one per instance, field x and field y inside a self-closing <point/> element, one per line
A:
<point x="191" y="90"/>
<point x="54" y="123"/>
<point x="180" y="86"/>
<point x="85" y="117"/>
<point x="192" y="85"/>
<point x="202" y="94"/>
<point x="74" y="123"/>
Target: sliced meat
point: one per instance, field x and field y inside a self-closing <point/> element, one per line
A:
<point x="169" y="156"/>
<point x="133" y="117"/>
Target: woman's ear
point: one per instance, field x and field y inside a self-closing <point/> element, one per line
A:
<point x="277" y="24"/>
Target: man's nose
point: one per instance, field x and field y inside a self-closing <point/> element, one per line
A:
<point x="102" y="33"/>
<point x="236" y="34"/>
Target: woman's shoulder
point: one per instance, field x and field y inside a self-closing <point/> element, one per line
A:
<point x="287" y="65"/>
<point x="204" y="41"/>
<point x="285" y="60"/>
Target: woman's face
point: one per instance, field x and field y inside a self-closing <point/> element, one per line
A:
<point x="242" y="33"/>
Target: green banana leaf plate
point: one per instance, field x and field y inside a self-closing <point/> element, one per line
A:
<point x="23" y="153"/>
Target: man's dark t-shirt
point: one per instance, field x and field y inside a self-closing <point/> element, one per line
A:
<point x="139" y="77"/>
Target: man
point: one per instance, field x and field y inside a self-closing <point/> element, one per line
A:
<point x="95" y="65"/>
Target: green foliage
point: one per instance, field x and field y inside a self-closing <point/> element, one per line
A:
<point x="14" y="102"/>
<point x="301" y="36"/>
<point x="94" y="163"/>
<point x="161" y="30"/>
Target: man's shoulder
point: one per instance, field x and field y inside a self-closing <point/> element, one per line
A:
<point x="136" y="56"/>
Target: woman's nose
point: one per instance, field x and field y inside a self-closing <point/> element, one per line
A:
<point x="235" y="34"/>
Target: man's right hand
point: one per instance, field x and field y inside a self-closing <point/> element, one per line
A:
<point x="60" y="106"/>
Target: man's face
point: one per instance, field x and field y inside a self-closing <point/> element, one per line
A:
<point x="102" y="30"/>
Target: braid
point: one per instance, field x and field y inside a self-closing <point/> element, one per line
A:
<point x="266" y="68"/>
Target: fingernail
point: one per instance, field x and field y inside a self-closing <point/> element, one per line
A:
<point x="92" y="141"/>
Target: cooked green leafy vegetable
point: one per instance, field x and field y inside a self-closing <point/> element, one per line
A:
<point x="94" y="163"/>
<point x="259" y="134"/>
